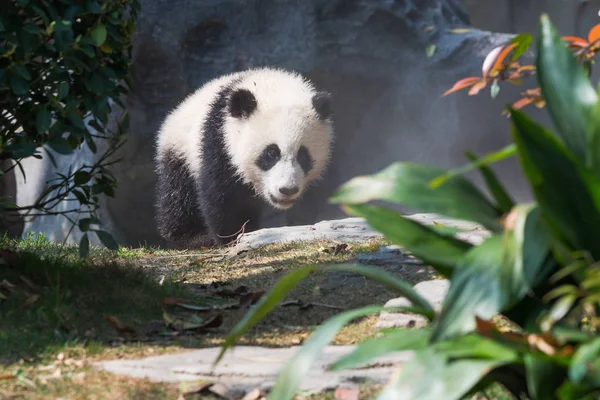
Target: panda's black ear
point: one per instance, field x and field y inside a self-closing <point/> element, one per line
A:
<point x="242" y="103"/>
<point x="321" y="102"/>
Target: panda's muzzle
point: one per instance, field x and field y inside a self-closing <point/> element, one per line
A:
<point x="286" y="202"/>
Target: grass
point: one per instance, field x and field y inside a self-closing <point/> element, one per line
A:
<point x="55" y="308"/>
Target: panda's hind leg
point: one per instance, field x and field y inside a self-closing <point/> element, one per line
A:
<point x="179" y="219"/>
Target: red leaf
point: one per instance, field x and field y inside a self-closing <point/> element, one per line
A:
<point x="522" y="103"/>
<point x="575" y="41"/>
<point x="463" y="83"/>
<point x="116" y="324"/>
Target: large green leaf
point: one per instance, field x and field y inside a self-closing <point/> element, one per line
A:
<point x="440" y="251"/>
<point x="503" y="200"/>
<point x="568" y="194"/>
<point x="543" y="377"/>
<point x="430" y="375"/>
<point x="496" y="274"/>
<point x="586" y="363"/>
<point x="400" y="340"/>
<point x="566" y="88"/>
<point x="408" y="184"/>
<point x="270" y="300"/>
<point x="294" y="371"/>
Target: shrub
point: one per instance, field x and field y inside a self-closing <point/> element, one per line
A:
<point x="63" y="66"/>
<point x="539" y="267"/>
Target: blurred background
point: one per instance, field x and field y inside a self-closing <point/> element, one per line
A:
<point x="371" y="55"/>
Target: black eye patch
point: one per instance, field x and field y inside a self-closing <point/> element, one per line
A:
<point x="269" y="157"/>
<point x="305" y="160"/>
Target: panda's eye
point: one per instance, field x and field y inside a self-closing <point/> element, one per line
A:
<point x="272" y="153"/>
<point x="268" y="157"/>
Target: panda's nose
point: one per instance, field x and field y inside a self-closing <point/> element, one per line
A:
<point x="289" y="191"/>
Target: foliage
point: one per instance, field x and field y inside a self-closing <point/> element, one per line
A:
<point x="63" y="66"/>
<point x="498" y="67"/>
<point x="539" y="268"/>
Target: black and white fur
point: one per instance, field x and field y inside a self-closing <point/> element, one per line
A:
<point x="240" y="141"/>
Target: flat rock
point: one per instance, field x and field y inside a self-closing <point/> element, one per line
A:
<point x="433" y="291"/>
<point x="351" y="230"/>
<point x="248" y="367"/>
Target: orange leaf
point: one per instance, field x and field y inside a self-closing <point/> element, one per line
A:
<point x="501" y="57"/>
<point x="526" y="68"/>
<point x="594" y="34"/>
<point x="463" y="83"/>
<point x="477" y="87"/>
<point x="522" y="103"/>
<point x="576" y="41"/>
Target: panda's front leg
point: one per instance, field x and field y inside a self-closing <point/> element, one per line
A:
<point x="229" y="211"/>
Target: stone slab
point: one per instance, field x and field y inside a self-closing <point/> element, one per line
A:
<point x="248" y="367"/>
<point x="433" y="291"/>
<point x="349" y="230"/>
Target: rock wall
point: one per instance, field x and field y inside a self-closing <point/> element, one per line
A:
<point x="369" y="54"/>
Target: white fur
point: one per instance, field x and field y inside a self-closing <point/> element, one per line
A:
<point x="284" y="116"/>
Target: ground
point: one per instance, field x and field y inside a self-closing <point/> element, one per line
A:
<point x="58" y="313"/>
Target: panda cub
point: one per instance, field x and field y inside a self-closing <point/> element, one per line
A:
<point x="240" y="141"/>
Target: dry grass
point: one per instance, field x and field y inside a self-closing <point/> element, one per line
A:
<point x="53" y="321"/>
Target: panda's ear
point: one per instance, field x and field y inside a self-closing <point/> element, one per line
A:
<point x="242" y="103"/>
<point x="321" y="102"/>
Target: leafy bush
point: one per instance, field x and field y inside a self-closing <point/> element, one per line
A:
<point x="63" y="66"/>
<point x="539" y="267"/>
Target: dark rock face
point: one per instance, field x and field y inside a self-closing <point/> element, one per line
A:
<point x="370" y="54"/>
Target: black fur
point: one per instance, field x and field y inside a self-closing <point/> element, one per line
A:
<point x="242" y="103"/>
<point x="179" y="218"/>
<point x="305" y="160"/>
<point x="321" y="102"/>
<point x="269" y="157"/>
<point x="203" y="212"/>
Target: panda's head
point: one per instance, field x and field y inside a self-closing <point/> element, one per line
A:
<point x="278" y="132"/>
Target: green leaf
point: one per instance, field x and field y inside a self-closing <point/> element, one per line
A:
<point x="266" y="303"/>
<point x="476" y="346"/>
<point x="61" y="146"/>
<point x="23" y="72"/>
<point x="496" y="274"/>
<point x="408" y="184"/>
<point x="523" y="42"/>
<point x="59" y="26"/>
<point x="405" y="339"/>
<point x="84" y="246"/>
<point x="294" y="371"/>
<point x="494" y="89"/>
<point x="63" y="90"/>
<point x="488" y="159"/>
<point x="94" y="7"/>
<point x="430" y="375"/>
<point x="570" y="98"/>
<point x="32" y="28"/>
<point x="98" y="34"/>
<point x="82" y="177"/>
<point x="438" y="250"/>
<point x="84" y="224"/>
<point x="430" y="50"/>
<point x="107" y="240"/>
<point x="565" y="191"/>
<point x="42" y="120"/>
<point x="503" y="200"/>
<point x="19" y="85"/>
<point x="586" y="360"/>
<point x="543" y="377"/>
